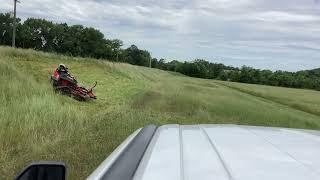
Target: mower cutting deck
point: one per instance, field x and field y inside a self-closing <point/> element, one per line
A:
<point x="68" y="85"/>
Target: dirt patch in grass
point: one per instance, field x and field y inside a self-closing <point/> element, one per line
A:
<point x="209" y="85"/>
<point x="201" y="86"/>
<point x="146" y="98"/>
<point x="180" y="104"/>
<point x="192" y="88"/>
<point x="169" y="103"/>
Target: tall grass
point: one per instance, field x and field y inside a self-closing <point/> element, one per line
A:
<point x="37" y="124"/>
<point x="34" y="122"/>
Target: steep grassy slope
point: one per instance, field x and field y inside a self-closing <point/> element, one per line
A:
<point x="37" y="124"/>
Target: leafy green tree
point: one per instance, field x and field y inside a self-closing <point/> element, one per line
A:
<point x="37" y="34"/>
<point x="154" y="62"/>
<point x="134" y="55"/>
<point x="6" y="26"/>
<point x="114" y="48"/>
<point x="59" y="34"/>
<point x="92" y="43"/>
<point x="162" y="64"/>
<point x="172" y="66"/>
<point x="223" y="75"/>
<point x="72" y="44"/>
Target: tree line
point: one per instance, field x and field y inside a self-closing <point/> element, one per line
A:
<point x="307" y="79"/>
<point x="77" y="40"/>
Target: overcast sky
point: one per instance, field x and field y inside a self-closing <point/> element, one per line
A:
<point x="266" y="34"/>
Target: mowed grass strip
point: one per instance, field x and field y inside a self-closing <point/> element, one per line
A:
<point x="300" y="99"/>
<point x="38" y="124"/>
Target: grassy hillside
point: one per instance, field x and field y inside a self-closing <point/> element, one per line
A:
<point x="37" y="124"/>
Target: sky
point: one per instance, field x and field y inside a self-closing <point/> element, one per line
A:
<point x="264" y="34"/>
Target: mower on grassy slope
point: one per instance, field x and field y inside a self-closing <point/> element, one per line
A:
<point x="63" y="82"/>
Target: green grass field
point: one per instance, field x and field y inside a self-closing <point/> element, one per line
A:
<point x="37" y="124"/>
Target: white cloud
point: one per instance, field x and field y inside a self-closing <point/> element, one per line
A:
<point x="223" y="4"/>
<point x="278" y="16"/>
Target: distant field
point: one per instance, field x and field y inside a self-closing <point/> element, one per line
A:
<point x="37" y="124"/>
<point x="304" y="100"/>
